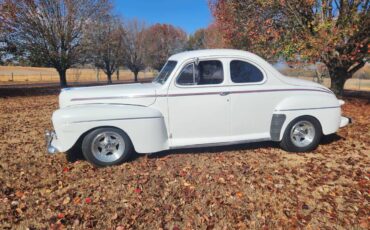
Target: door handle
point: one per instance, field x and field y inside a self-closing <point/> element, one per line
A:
<point x="224" y="93"/>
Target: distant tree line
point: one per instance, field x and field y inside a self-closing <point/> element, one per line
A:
<point x="65" y="33"/>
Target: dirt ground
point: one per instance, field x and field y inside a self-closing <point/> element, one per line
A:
<point x="246" y="186"/>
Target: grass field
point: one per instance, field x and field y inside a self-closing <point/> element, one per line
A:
<point x="21" y="75"/>
<point x="11" y="75"/>
<point x="255" y="186"/>
<point x="360" y="80"/>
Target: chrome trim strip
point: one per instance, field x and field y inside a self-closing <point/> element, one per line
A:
<point x="241" y="92"/>
<point x="117" y="119"/>
<point x="277" y="90"/>
<point x="220" y="143"/>
<point x="115" y="97"/>
<point x="198" y="94"/>
<point x="329" y="107"/>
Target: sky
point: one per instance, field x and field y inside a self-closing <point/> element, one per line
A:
<point x="190" y="15"/>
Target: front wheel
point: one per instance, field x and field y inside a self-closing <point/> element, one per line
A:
<point x="106" y="146"/>
<point x="303" y="134"/>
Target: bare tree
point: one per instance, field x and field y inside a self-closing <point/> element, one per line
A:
<point x="134" y="45"/>
<point x="51" y="31"/>
<point x="104" y="42"/>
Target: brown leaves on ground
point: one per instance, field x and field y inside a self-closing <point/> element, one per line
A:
<point x="245" y="186"/>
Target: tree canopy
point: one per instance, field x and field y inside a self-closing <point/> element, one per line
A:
<point x="206" y="38"/>
<point x="134" y="45"/>
<point x="104" y="42"/>
<point x="335" y="32"/>
<point x="50" y="32"/>
<point x="163" y="40"/>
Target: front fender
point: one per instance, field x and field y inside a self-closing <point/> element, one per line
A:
<point x="144" y="125"/>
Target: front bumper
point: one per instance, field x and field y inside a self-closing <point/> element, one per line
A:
<point x="344" y="121"/>
<point x="49" y="137"/>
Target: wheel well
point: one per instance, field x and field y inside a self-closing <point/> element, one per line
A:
<point x="303" y="116"/>
<point x="277" y="124"/>
<point x="83" y="135"/>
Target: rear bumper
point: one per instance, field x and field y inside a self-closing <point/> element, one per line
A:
<point x="344" y="121"/>
<point x="49" y="137"/>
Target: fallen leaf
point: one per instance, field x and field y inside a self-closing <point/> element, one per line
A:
<point x="88" y="200"/>
<point x="66" y="200"/>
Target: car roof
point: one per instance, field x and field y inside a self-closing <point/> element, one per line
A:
<point x="212" y="52"/>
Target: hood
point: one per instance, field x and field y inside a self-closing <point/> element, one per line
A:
<point x="129" y="94"/>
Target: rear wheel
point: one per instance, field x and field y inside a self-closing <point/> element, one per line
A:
<point x="303" y="134"/>
<point x="106" y="146"/>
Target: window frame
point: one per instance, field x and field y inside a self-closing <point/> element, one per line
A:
<point x="264" y="75"/>
<point x="224" y="75"/>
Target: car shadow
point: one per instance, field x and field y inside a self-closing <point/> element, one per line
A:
<point x="326" y="140"/>
<point x="329" y="139"/>
<point x="75" y="153"/>
<point x="216" y="149"/>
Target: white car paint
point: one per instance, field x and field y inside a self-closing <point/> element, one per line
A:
<point x="158" y="117"/>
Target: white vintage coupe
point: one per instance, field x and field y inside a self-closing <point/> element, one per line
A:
<point x="200" y="98"/>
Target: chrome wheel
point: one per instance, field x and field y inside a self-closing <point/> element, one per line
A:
<point x="302" y="133"/>
<point x="108" y="146"/>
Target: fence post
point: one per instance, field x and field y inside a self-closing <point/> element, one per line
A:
<point x="12" y="76"/>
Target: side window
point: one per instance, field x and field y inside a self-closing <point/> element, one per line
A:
<point x="244" y="72"/>
<point x="206" y="73"/>
<point x="210" y="72"/>
<point x="187" y="75"/>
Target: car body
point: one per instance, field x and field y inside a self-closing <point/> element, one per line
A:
<point x="200" y="98"/>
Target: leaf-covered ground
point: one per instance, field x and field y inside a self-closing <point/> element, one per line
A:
<point x="246" y="186"/>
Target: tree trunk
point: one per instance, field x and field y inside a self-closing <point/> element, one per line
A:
<point x="337" y="85"/>
<point x="109" y="76"/>
<point x="63" y="78"/>
<point x="136" y="75"/>
<point x="338" y="77"/>
<point x="339" y="74"/>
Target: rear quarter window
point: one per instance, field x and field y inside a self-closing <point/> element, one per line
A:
<point x="244" y="72"/>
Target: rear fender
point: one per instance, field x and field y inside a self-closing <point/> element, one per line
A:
<point x="325" y="108"/>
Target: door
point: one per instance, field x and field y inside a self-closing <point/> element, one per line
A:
<point x="251" y="104"/>
<point x="198" y="105"/>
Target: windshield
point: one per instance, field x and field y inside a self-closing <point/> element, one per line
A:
<point x="165" y="72"/>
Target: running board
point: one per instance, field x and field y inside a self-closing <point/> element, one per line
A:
<point x="220" y="143"/>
